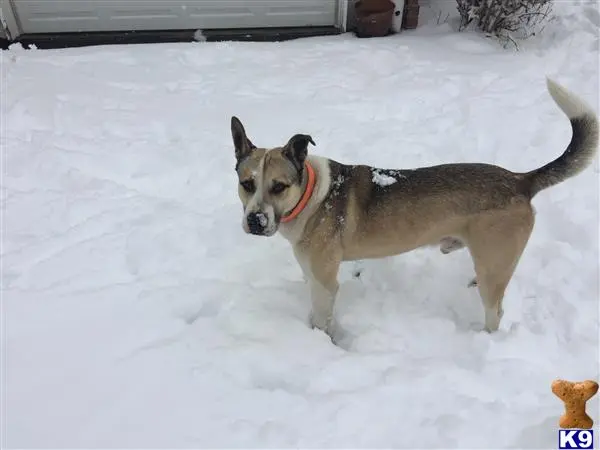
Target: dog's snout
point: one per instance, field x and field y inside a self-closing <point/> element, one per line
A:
<point x="257" y="222"/>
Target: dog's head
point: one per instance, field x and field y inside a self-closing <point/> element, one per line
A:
<point x="271" y="181"/>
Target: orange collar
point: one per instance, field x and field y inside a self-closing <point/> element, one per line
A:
<point x="310" y="187"/>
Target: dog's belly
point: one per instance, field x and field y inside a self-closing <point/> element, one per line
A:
<point x="375" y="251"/>
<point x="381" y="240"/>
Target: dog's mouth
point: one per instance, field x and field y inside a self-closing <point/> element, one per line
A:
<point x="268" y="232"/>
<point x="265" y="233"/>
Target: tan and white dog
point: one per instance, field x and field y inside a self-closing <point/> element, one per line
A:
<point x="332" y="212"/>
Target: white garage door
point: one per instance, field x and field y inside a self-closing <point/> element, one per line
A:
<point x="56" y="16"/>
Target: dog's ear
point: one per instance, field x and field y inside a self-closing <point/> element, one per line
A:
<point x="243" y="146"/>
<point x="297" y="148"/>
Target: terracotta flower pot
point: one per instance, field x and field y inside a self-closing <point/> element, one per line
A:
<point x="374" y="18"/>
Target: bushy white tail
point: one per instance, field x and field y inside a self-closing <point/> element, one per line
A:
<point x="583" y="146"/>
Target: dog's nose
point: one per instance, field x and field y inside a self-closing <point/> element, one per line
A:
<point x="257" y="223"/>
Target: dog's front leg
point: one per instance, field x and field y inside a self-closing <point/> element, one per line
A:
<point x="323" y="300"/>
<point x="320" y="268"/>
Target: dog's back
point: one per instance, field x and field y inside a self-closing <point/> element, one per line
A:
<point x="387" y="211"/>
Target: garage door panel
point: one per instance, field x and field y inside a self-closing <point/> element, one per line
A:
<point x="55" y="16"/>
<point x="265" y="13"/>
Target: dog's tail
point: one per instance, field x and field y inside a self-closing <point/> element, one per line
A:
<point x="580" y="151"/>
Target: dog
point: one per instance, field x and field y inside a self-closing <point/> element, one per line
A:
<point x="332" y="212"/>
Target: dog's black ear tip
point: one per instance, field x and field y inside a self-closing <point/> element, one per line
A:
<point x="304" y="138"/>
<point x="308" y="138"/>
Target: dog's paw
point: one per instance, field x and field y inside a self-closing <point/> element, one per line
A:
<point x="326" y="325"/>
<point x="475" y="327"/>
<point x="341" y="338"/>
<point x="318" y="321"/>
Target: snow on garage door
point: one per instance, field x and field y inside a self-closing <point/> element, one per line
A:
<point x="56" y="16"/>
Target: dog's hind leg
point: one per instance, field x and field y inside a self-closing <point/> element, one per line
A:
<point x="496" y="242"/>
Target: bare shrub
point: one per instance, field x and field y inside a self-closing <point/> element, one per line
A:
<point x="507" y="19"/>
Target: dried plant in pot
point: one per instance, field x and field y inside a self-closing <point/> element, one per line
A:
<point x="374" y="18"/>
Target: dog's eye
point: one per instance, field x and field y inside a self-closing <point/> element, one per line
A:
<point x="278" y="188"/>
<point x="248" y="186"/>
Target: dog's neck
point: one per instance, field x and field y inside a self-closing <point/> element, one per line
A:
<point x="294" y="230"/>
<point x="309" y="180"/>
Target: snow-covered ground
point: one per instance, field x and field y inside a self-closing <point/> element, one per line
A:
<point x="137" y="313"/>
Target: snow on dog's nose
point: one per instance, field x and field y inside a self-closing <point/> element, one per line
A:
<point x="257" y="223"/>
<point x="261" y="222"/>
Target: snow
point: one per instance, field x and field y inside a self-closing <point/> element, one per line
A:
<point x="386" y="177"/>
<point x="382" y="179"/>
<point x="137" y="313"/>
